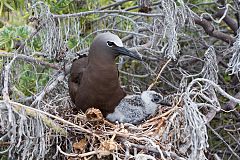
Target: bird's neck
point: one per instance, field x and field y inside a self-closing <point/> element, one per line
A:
<point x="101" y="63"/>
<point x="106" y="79"/>
<point x="103" y="70"/>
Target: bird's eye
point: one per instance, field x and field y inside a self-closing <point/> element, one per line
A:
<point x="110" y="44"/>
<point x="155" y="99"/>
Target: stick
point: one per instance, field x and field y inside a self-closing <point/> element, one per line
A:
<point x="83" y="154"/>
<point x="159" y="74"/>
<point x="32" y="110"/>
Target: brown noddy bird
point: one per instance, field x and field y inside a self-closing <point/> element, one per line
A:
<point x="94" y="80"/>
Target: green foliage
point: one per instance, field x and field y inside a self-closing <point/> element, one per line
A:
<point x="11" y="35"/>
<point x="129" y="4"/>
<point x="238" y="108"/>
<point x="104" y="2"/>
<point x="60" y="6"/>
<point x="26" y="83"/>
<point x="3" y="157"/>
<point x="31" y="79"/>
<point x="37" y="45"/>
<point x="199" y="1"/>
<point x="227" y="77"/>
<point x="5" y="5"/>
<point x="72" y="42"/>
<point x="71" y="6"/>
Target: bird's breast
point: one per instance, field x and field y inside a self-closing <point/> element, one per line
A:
<point x="101" y="90"/>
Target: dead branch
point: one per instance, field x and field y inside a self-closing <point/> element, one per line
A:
<point x="210" y="30"/>
<point x="30" y="59"/>
<point x="48" y="88"/>
<point x="81" y="14"/>
<point x="158" y="76"/>
<point x="221" y="138"/>
<point x="220" y="90"/>
<point x="34" y="113"/>
<point x="227" y="19"/>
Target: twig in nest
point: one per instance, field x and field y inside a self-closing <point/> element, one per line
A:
<point x="153" y="145"/>
<point x="83" y="154"/>
<point x="160" y="116"/>
<point x="109" y="123"/>
<point x="48" y="122"/>
<point x="34" y="111"/>
<point x="159" y="74"/>
<point x="107" y="146"/>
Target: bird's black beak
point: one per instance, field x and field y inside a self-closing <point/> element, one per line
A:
<point x="126" y="52"/>
<point x="159" y="100"/>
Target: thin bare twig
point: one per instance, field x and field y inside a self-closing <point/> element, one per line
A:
<point x="81" y="14"/>
<point x="33" y="113"/>
<point x="30" y="59"/>
<point x="221" y="138"/>
<point x="83" y="154"/>
<point x="159" y="74"/>
<point x="52" y="116"/>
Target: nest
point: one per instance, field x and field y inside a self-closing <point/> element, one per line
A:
<point x="148" y="139"/>
<point x="89" y="135"/>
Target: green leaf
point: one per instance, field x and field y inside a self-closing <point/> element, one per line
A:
<point x="8" y="6"/>
<point x="1" y="8"/>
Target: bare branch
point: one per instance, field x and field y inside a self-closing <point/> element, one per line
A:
<point x="221" y="138"/>
<point x="210" y="30"/>
<point x="30" y="59"/>
<point x="81" y="14"/>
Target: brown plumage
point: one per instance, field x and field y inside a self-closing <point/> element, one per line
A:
<point x="94" y="79"/>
